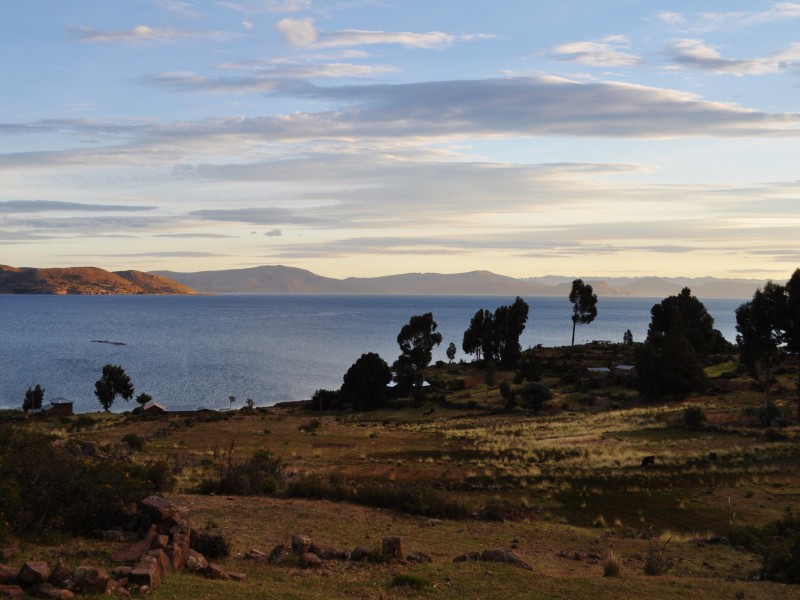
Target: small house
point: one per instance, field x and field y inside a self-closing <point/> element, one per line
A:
<point x="154" y="408"/>
<point x="60" y="407"/>
<point x="625" y="375"/>
<point x="598" y="377"/>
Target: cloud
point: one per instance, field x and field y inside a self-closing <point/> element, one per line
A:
<point x="256" y="216"/>
<point x="36" y="206"/>
<point x="606" y="52"/>
<point x="144" y="34"/>
<point x="301" y="33"/>
<point x="263" y="79"/>
<point x="169" y="254"/>
<point x="267" y="6"/>
<point x="697" y="55"/>
<point x="194" y="235"/>
<point x="273" y="233"/>
<point x="712" y="21"/>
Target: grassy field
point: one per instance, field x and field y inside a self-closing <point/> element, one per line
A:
<point x="564" y="485"/>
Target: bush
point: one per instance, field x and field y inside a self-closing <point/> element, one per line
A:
<point x="408" y="580"/>
<point x="260" y="475"/>
<point x="535" y="394"/>
<point x="134" y="441"/>
<point x="694" y="417"/>
<point x="778" y="543"/>
<point x="311" y="426"/>
<point x="612" y="567"/>
<point x="209" y="542"/>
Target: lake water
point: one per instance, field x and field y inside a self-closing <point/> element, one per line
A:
<point x="192" y="351"/>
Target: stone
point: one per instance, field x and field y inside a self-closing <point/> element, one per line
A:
<point x="214" y="571"/>
<point x="361" y="554"/>
<point x="146" y="573"/>
<point x="254" y="554"/>
<point x="392" y="547"/>
<point x="11" y="591"/>
<point x="164" y="563"/>
<point x="236" y="575"/>
<point x="34" y="572"/>
<point x="506" y="555"/>
<point x="8" y="575"/>
<point x="419" y="557"/>
<point x="327" y="552"/>
<point x="309" y="560"/>
<point x="472" y="555"/>
<point x="160" y="542"/>
<point x="178" y="550"/>
<point x="158" y="508"/>
<point x="278" y="553"/>
<point x="8" y="553"/>
<point x="301" y="544"/>
<point x="196" y="562"/>
<point x="61" y="575"/>
<point x="48" y="590"/>
<point x="433" y="522"/>
<point x="90" y="580"/>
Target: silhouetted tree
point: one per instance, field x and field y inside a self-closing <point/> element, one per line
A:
<point x="451" y="352"/>
<point x="627" y="337"/>
<point x="680" y="337"/>
<point x="143" y="399"/>
<point x="496" y="336"/>
<point x="792" y="325"/>
<point x="584" y="304"/>
<point x="416" y="339"/>
<point x="365" y="382"/>
<point x="479" y="336"/>
<point x="33" y="398"/>
<point x="114" y="382"/>
<point x="760" y="324"/>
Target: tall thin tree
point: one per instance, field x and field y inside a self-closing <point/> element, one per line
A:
<point x="584" y="304"/>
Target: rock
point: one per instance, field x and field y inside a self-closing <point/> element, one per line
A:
<point x="8" y="575"/>
<point x="160" y="542"/>
<point x="48" y="590"/>
<point x="433" y="522"/>
<point x="61" y="576"/>
<point x="7" y="553"/>
<point x="505" y="555"/>
<point x="214" y="571"/>
<point x="327" y="552"/>
<point x="392" y="547"/>
<point x="164" y="563"/>
<point x="11" y="591"/>
<point x="121" y="572"/>
<point x="196" y="562"/>
<point x="278" y="553"/>
<point x="236" y="575"/>
<point x="361" y="554"/>
<point x="90" y="580"/>
<point x="472" y="555"/>
<point x="254" y="554"/>
<point x="158" y="508"/>
<point x="301" y="544"/>
<point x="309" y="560"/>
<point x="419" y="557"/>
<point x="34" y="572"/>
<point x="146" y="574"/>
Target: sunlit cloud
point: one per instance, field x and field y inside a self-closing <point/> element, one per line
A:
<point x="302" y="33"/>
<point x="698" y="55"/>
<point x="606" y="52"/>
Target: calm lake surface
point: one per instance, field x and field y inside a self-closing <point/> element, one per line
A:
<point x="193" y="351"/>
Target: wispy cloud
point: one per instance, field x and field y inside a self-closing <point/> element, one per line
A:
<point x="142" y="34"/>
<point x="37" y="206"/>
<point x="267" y="6"/>
<point x="609" y="51"/>
<point x="257" y="216"/>
<point x="712" y="21"/>
<point x="698" y="55"/>
<point x="302" y="33"/>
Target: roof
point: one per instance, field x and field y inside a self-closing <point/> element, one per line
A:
<point x="60" y="400"/>
<point x="155" y="405"/>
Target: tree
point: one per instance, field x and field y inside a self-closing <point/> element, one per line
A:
<point x="231" y="400"/>
<point x="114" y="382"/>
<point x="584" y="304"/>
<point x="680" y="337"/>
<point x="791" y="334"/>
<point x="760" y="325"/>
<point x="451" y="352"/>
<point x="365" y="382"/>
<point x="142" y="399"/>
<point x="479" y="336"/>
<point x="417" y="339"/>
<point x="509" y="323"/>
<point x="33" y="398"/>
<point x="627" y="337"/>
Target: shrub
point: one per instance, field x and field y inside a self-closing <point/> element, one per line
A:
<point x="209" y="542"/>
<point x="655" y="563"/>
<point x="160" y="475"/>
<point x="408" y="580"/>
<point x="778" y="543"/>
<point x="535" y="394"/>
<point x="311" y="426"/>
<point x="612" y="567"/>
<point x="694" y="417"/>
<point x="134" y="441"/>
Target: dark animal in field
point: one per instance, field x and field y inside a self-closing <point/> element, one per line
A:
<point x="648" y="461"/>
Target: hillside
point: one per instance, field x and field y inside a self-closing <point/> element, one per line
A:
<point x="277" y="279"/>
<point x="84" y="280"/>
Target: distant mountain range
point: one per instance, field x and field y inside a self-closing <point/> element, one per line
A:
<point x="85" y="280"/>
<point x="290" y="280"/>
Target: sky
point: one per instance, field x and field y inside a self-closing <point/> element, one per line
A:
<point x="374" y="137"/>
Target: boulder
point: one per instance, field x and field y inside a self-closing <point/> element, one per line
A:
<point x="254" y="554"/>
<point x="278" y="553"/>
<point x="392" y="547"/>
<point x="11" y="591"/>
<point x="90" y="580"/>
<point x="361" y="554"/>
<point x="506" y="555"/>
<point x="7" y="553"/>
<point x="34" y="572"/>
<point x="48" y="590"/>
<point x="419" y="557"/>
<point x="160" y="542"/>
<point x="164" y="562"/>
<point x="61" y="575"/>
<point x="309" y="560"/>
<point x="214" y="571"/>
<point x="196" y="562"/>
<point x="146" y="574"/>
<point x="472" y="555"/>
<point x="327" y="552"/>
<point x="158" y="508"/>
<point x="121" y="572"/>
<point x="236" y="575"/>
<point x="8" y="575"/>
<point x="301" y="544"/>
<point x="133" y="552"/>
